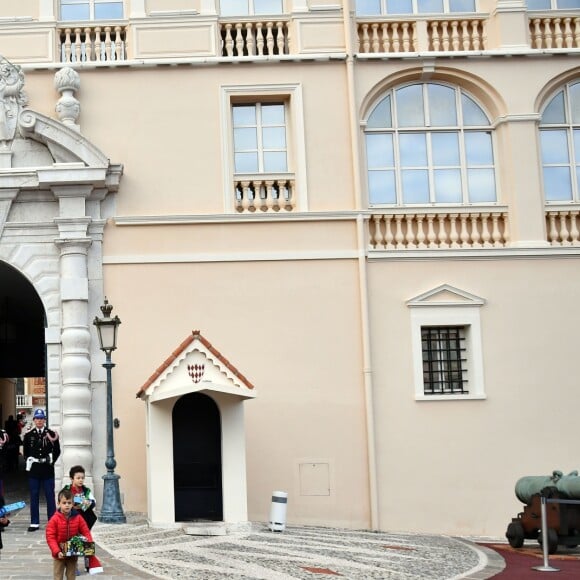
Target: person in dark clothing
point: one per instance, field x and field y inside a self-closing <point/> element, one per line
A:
<point x="41" y="450"/>
<point x="4" y="522"/>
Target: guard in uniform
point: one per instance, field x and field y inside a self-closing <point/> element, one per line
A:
<point x="41" y="450"/>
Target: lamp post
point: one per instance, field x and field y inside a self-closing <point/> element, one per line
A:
<point x="111" y="510"/>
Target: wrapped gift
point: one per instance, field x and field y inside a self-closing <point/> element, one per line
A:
<point x="78" y="546"/>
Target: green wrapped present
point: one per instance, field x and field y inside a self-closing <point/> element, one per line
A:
<point x="78" y="546"/>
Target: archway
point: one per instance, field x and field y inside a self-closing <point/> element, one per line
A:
<point x="197" y="459"/>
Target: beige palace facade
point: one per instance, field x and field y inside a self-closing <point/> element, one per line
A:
<point x="342" y="238"/>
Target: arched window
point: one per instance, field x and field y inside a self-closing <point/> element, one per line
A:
<point x="560" y="145"/>
<point x="429" y="143"/>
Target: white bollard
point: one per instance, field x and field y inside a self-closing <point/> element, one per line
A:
<point x="278" y="511"/>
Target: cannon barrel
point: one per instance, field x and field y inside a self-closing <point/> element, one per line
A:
<point x="568" y="485"/>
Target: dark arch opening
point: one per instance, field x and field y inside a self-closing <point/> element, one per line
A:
<point x="197" y="461"/>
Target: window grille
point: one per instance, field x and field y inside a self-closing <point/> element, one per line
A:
<point x="444" y="362"/>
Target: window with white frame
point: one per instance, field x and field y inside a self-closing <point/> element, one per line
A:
<point x="250" y="7"/>
<point x="259" y="136"/>
<point x="560" y="145"/>
<point x="90" y="10"/>
<point x="553" y="4"/>
<point x="446" y="344"/>
<point x="394" y="7"/>
<point x="429" y="143"/>
<point x="264" y="148"/>
<point x="444" y="363"/>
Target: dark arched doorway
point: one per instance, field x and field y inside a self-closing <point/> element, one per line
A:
<point x="197" y="460"/>
<point x="22" y="368"/>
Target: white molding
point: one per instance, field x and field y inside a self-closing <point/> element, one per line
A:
<point x="295" y="134"/>
<point x="449" y="313"/>
<point x="230" y="257"/>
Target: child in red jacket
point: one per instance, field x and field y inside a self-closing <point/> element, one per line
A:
<point x="62" y="526"/>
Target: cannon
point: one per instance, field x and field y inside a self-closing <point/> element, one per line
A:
<point x="562" y="520"/>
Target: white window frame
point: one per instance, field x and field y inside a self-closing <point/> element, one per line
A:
<point x="449" y="306"/>
<point x="252" y="11"/>
<point x="91" y="4"/>
<point x="553" y="6"/>
<point x="415" y="12"/>
<point x="291" y="94"/>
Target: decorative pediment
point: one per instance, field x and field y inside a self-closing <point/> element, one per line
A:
<point x="195" y="366"/>
<point x="446" y="295"/>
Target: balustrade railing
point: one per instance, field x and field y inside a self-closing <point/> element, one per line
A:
<point x="413" y="36"/>
<point x="373" y="37"/>
<point x="563" y="227"/>
<point x="254" y="38"/>
<point x="549" y="32"/>
<point x="456" y="35"/>
<point x="93" y="43"/>
<point x="438" y="229"/>
<point x="271" y="193"/>
<point x="23" y="401"/>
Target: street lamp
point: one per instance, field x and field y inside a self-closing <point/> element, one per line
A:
<point x="111" y="510"/>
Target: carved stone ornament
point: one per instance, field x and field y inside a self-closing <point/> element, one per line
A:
<point x="12" y="99"/>
<point x="68" y="108"/>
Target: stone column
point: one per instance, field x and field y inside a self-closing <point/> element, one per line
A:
<point x="76" y="429"/>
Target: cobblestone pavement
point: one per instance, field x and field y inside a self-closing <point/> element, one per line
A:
<point x="134" y="550"/>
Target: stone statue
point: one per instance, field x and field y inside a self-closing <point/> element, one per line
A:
<point x="12" y="99"/>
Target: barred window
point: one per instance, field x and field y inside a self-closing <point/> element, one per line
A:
<point x="444" y="360"/>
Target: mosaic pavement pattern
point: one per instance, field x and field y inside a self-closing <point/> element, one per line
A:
<point x="298" y="553"/>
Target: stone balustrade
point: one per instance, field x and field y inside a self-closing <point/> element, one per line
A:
<point x="563" y="227"/>
<point x="456" y="35"/>
<point x="373" y="37"/>
<point x="93" y="43"/>
<point x="439" y="229"/>
<point x="550" y="32"/>
<point x="254" y="38"/>
<point x="264" y="193"/>
<point x="390" y="36"/>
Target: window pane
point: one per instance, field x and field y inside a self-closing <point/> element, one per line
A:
<point x="555" y="112"/>
<point x="567" y="4"/>
<point x="410" y="106"/>
<point x="381" y="115"/>
<point x="399" y="7"/>
<point x="267" y="6"/>
<point x="233" y="7"/>
<point x="415" y="186"/>
<point x="275" y="161"/>
<point x="447" y="185"/>
<point x="80" y="12"/>
<point x="274" y="137"/>
<point x="481" y="185"/>
<point x="442" y="109"/>
<point x="379" y="151"/>
<point x="368" y="7"/>
<point x="462" y="5"/>
<point x="557" y="184"/>
<point x="445" y="148"/>
<point x="473" y="114"/>
<point x="577" y="146"/>
<point x="273" y="114"/>
<point x="554" y="145"/>
<point x="430" y="6"/>
<point x="244" y="115"/>
<point x="382" y="187"/>
<point x="109" y="11"/>
<point x="413" y="149"/>
<point x="245" y="139"/>
<point x="246" y="162"/>
<point x="478" y="148"/>
<point x="538" y="4"/>
<point x="574" y="91"/>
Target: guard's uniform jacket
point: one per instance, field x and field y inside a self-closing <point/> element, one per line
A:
<point x="44" y="448"/>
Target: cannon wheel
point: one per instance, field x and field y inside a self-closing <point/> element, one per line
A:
<point x="515" y="534"/>
<point x="552" y="540"/>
